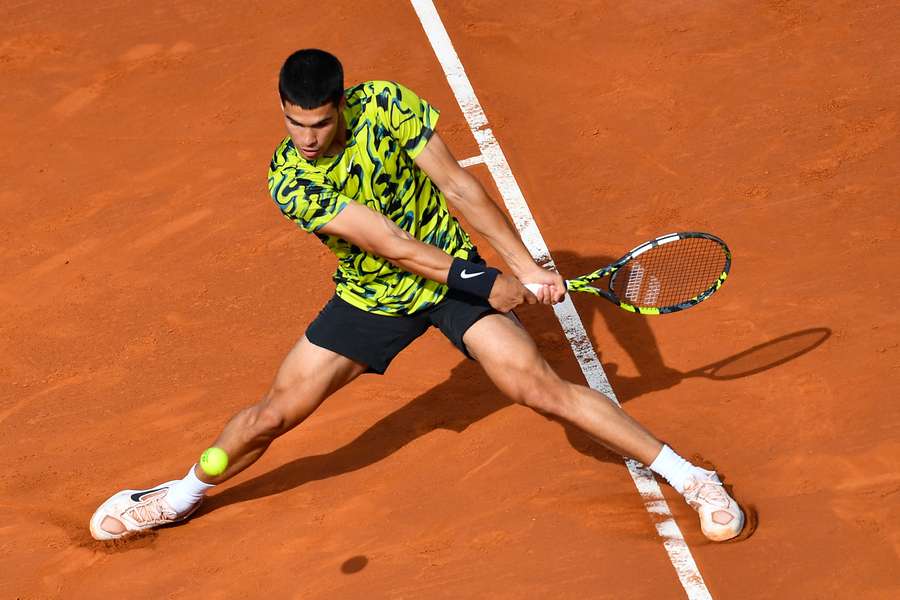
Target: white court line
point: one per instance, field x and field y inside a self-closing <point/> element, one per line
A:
<point x="654" y="502"/>
<point x="474" y="160"/>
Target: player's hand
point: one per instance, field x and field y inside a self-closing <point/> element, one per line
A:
<point x="508" y="293"/>
<point x="553" y="288"/>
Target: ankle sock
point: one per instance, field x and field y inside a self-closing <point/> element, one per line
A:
<point x="672" y="468"/>
<point x="187" y="492"/>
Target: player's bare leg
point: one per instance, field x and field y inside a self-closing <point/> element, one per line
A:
<point x="307" y="376"/>
<point x="511" y="359"/>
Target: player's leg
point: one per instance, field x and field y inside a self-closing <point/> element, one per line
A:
<point x="307" y="376"/>
<point x="512" y="361"/>
<point x="341" y="343"/>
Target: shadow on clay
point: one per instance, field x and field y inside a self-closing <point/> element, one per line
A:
<point x="354" y="564"/>
<point x="465" y="398"/>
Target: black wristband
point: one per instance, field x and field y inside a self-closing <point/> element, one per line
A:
<point x="472" y="278"/>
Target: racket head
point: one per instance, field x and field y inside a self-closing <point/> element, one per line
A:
<point x="668" y="274"/>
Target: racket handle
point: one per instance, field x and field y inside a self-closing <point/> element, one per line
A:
<point x="534" y="288"/>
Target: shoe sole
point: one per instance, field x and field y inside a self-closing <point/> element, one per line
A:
<point x="751" y="522"/>
<point x="724" y="537"/>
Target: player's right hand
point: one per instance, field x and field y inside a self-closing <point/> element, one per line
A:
<point x="508" y="293"/>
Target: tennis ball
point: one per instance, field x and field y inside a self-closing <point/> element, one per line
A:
<point x="214" y="461"/>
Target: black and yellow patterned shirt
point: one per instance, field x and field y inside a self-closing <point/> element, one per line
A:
<point x="387" y="127"/>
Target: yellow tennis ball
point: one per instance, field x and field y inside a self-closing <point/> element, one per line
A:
<point x="214" y="461"/>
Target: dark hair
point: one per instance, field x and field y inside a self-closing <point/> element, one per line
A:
<point x="310" y="78"/>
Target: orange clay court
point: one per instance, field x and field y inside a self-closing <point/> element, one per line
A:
<point x="150" y="288"/>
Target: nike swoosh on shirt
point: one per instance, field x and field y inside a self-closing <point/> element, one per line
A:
<point x="465" y="275"/>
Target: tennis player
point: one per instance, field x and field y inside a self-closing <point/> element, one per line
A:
<point x="365" y="171"/>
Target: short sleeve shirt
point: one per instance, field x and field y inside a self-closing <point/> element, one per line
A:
<point x="387" y="127"/>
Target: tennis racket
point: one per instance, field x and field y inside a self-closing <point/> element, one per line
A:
<point x="665" y="275"/>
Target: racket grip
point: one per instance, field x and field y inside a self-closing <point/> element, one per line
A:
<point x="534" y="288"/>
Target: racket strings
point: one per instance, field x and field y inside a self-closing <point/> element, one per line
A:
<point x="670" y="274"/>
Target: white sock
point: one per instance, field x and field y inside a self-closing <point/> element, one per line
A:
<point x="672" y="468"/>
<point x="185" y="493"/>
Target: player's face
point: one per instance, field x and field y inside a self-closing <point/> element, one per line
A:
<point x="314" y="130"/>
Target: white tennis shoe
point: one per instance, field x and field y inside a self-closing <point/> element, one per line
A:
<point x="720" y="516"/>
<point x="131" y="511"/>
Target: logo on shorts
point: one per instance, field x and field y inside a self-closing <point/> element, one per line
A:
<point x="465" y="275"/>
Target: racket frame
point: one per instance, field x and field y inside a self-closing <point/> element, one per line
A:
<point x="582" y="283"/>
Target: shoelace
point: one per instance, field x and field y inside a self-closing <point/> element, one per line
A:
<point x="709" y="490"/>
<point x="151" y="511"/>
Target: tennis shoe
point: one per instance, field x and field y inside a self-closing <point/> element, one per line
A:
<point x="720" y="516"/>
<point x="131" y="511"/>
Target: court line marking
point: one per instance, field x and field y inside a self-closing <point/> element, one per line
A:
<point x="655" y="503"/>
<point x="471" y="161"/>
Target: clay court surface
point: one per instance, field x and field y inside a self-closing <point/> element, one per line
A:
<point x="150" y="288"/>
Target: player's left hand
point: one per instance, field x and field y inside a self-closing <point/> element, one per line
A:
<point x="508" y="292"/>
<point x="553" y="288"/>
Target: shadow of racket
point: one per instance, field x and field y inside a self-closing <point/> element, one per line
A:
<point x="765" y="356"/>
<point x="758" y="359"/>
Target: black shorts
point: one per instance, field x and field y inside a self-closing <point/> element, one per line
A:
<point x="374" y="340"/>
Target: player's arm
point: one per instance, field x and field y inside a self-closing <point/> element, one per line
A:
<point x="376" y="234"/>
<point x="468" y="196"/>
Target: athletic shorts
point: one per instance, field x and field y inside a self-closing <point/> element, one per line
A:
<point x="374" y="340"/>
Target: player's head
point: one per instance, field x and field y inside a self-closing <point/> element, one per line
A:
<point x="310" y="78"/>
<point x="311" y="87"/>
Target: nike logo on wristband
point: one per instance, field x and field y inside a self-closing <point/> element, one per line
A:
<point x="465" y="275"/>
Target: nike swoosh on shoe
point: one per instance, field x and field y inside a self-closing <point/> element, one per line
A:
<point x="137" y="497"/>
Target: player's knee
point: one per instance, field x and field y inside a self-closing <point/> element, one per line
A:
<point x="546" y="395"/>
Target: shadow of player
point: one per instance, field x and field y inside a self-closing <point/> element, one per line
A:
<point x="466" y="397"/>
